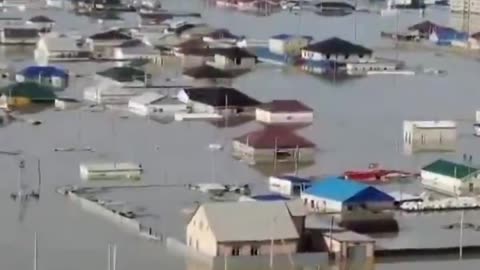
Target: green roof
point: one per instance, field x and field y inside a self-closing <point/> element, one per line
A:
<point x="123" y="74"/>
<point x="31" y="90"/>
<point x="450" y="169"/>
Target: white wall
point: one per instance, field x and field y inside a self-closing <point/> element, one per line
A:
<point x="268" y="117"/>
<point x="315" y="56"/>
<point x="290" y="46"/>
<point x="320" y="204"/>
<point x="226" y="63"/>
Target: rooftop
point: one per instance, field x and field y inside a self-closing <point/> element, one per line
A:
<point x="249" y="221"/>
<point x="295" y="179"/>
<point x="220" y="97"/>
<point x="124" y="74"/>
<point x="349" y="236"/>
<point x="338" y="46"/>
<point x="271" y="137"/>
<point x="432" y="124"/>
<point x="280" y="106"/>
<point x="424" y="27"/>
<point x="289" y="36"/>
<point x="342" y="190"/>
<point x="206" y="72"/>
<point x="41" y="19"/>
<point x="451" y="169"/>
<point x="30" y="90"/>
<point x="111" y="35"/>
<point x="43" y="71"/>
<point x="20" y="32"/>
<point x="221" y="34"/>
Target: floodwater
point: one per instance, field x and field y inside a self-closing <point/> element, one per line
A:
<point x="357" y="122"/>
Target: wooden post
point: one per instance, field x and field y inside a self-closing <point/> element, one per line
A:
<point x="35" y="253"/>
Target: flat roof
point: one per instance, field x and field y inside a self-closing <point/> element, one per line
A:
<point x="432" y="124"/>
<point x="349" y="236"/>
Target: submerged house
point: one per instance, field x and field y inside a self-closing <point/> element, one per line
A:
<point x="273" y="144"/>
<point x="285" y="44"/>
<point x="129" y="76"/>
<point x="451" y="178"/>
<point x="334" y="194"/>
<point x="217" y="99"/>
<point x="226" y="229"/>
<point x="42" y="23"/>
<point x="103" y="42"/>
<point x="424" y="29"/>
<point x="421" y="136"/>
<point x="25" y="93"/>
<point x="153" y="103"/>
<point x="46" y="75"/>
<point x="223" y="36"/>
<point x="208" y="76"/>
<point x="107" y="91"/>
<point x="233" y="59"/>
<point x="288" y="185"/>
<point x="136" y="49"/>
<point x="284" y="111"/>
<point x="19" y="36"/>
<point x="333" y="54"/>
<point x="62" y="48"/>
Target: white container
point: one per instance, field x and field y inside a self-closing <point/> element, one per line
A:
<point x="111" y="170"/>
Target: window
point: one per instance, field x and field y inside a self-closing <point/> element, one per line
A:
<point x="349" y="208"/>
<point x="190" y="241"/>
<point x="254" y="251"/>
<point x="306" y="201"/>
<point x="196" y="244"/>
<point x="238" y="61"/>
<point x="235" y="251"/>
<point x="312" y="203"/>
<point x="327" y="56"/>
<point x="347" y="56"/>
<point x="360" y="55"/>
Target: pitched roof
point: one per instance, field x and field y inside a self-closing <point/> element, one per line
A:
<point x="277" y="106"/>
<point x="337" y="46"/>
<point x="250" y="221"/>
<point x="206" y="72"/>
<point x="288" y="36"/>
<point x="31" y="90"/>
<point x="43" y="71"/>
<point x="41" y="19"/>
<point x="234" y="53"/>
<point x="424" y="27"/>
<point x="338" y="189"/>
<point x="19" y="32"/>
<point x="271" y="137"/>
<point x="111" y="35"/>
<point x="220" y="97"/>
<point x="221" y="34"/>
<point x="450" y="169"/>
<point x="123" y="74"/>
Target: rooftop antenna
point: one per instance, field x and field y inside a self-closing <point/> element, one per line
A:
<point x="460" y="246"/>
<point x="114" y="257"/>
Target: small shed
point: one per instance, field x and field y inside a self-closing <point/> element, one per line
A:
<point x="273" y="144"/>
<point x="151" y="103"/>
<point x="284" y="111"/>
<point x="286" y="44"/>
<point x="351" y="246"/>
<point x="47" y="75"/>
<point x="429" y="135"/>
<point x="334" y="194"/>
<point x="289" y="185"/>
<point x="42" y="23"/>
<point x="451" y="178"/>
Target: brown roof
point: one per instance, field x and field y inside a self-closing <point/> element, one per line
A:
<point x="268" y="137"/>
<point x="206" y="72"/>
<point x="476" y="36"/>
<point x="285" y="106"/>
<point x="191" y="43"/>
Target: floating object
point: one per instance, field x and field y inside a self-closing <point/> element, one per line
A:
<point x="215" y="146"/>
<point x="111" y="170"/>
<point x="220" y="189"/>
<point x="73" y="149"/>
<point x="449" y="204"/>
<point x="374" y="174"/>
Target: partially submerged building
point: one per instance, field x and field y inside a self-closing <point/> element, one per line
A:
<point x="334" y="194"/>
<point x="62" y="48"/>
<point x="155" y="103"/>
<point x="286" y="44"/>
<point x="104" y="42"/>
<point x="214" y="231"/>
<point x="20" y="35"/>
<point x="25" y="93"/>
<point x="136" y="49"/>
<point x="421" y="136"/>
<point x="284" y="111"/>
<point x="289" y="185"/>
<point x="273" y="144"/>
<point x="46" y="75"/>
<point x="204" y="76"/>
<point x="217" y="100"/>
<point x="451" y="178"/>
<point x="128" y="76"/>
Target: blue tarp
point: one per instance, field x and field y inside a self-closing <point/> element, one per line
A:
<point x="43" y="71"/>
<point x="338" y="189"/>
<point x="446" y="35"/>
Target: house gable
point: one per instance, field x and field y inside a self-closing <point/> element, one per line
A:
<point x="370" y="194"/>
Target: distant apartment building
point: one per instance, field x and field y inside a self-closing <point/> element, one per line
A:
<point x="472" y="6"/>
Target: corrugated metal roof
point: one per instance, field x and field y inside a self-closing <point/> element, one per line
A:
<point x="250" y="221"/>
<point x="338" y="189"/>
<point x="450" y="169"/>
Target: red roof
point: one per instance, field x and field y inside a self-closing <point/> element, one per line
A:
<point x="285" y="106"/>
<point x="267" y="138"/>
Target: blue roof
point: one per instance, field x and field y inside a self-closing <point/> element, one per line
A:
<point x="335" y="188"/>
<point x="270" y="197"/>
<point x="445" y="33"/>
<point x="288" y="36"/>
<point x="295" y="179"/>
<point x="43" y="71"/>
